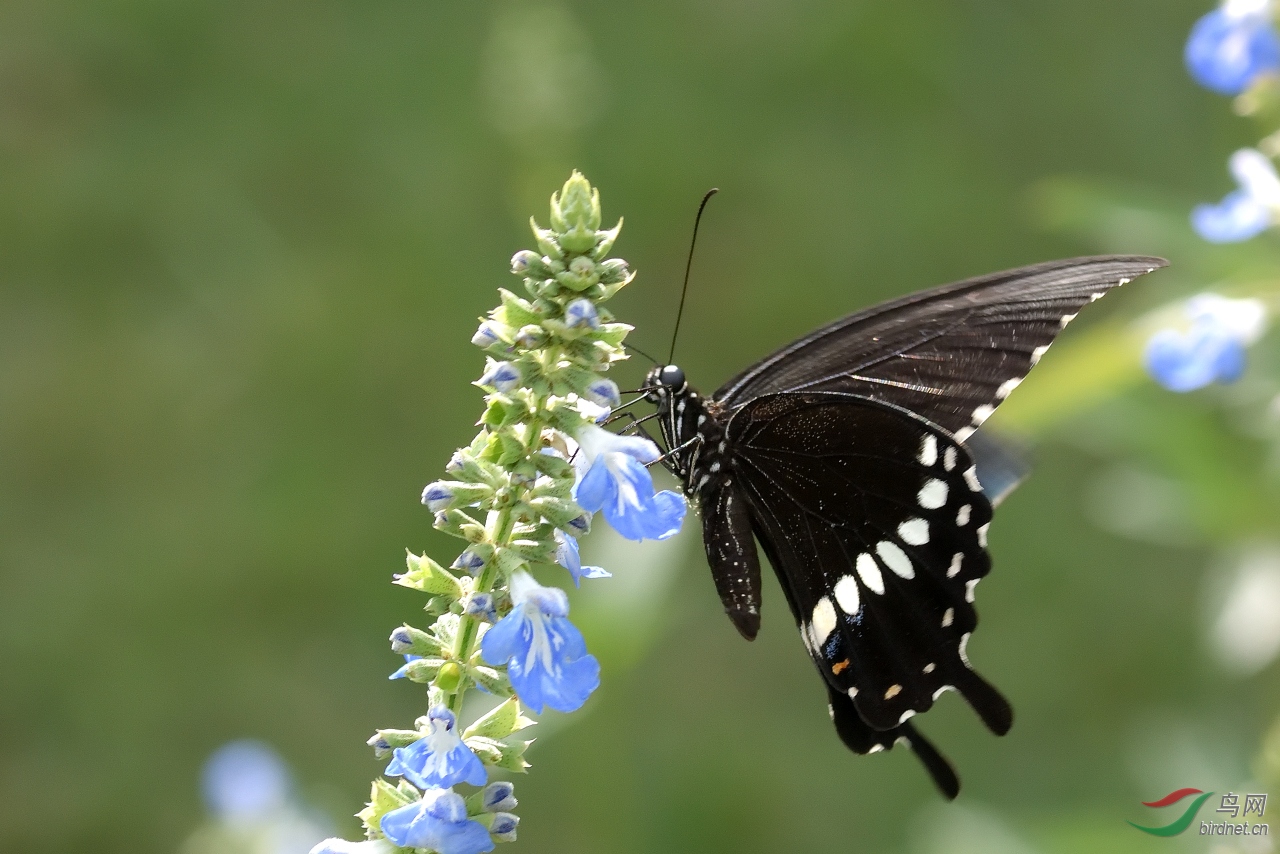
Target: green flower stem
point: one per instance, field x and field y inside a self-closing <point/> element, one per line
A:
<point x="500" y="525"/>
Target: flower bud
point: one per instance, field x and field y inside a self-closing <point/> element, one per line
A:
<point x="430" y="577"/>
<point x="581" y="314"/>
<point x="577" y="205"/>
<point x="480" y="606"/>
<point x="531" y="337"/>
<point x="503" y="828"/>
<point x="448" y="677"/>
<point x="468" y="561"/>
<point x="613" y="271"/>
<point x="522" y="261"/>
<point x="605" y="240"/>
<point x="422" y="670"/>
<point x="604" y="392"/>
<point x="408" y="640"/>
<point x="438" y="496"/>
<point x="498" y="797"/>
<point x="501" y="376"/>
<point x="487" y="335"/>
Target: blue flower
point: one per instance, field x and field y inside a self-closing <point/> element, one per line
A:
<point x="245" y="781"/>
<point x="604" y="392"/>
<point x="1229" y="47"/>
<point x="342" y="846"/>
<point x="1245" y="212"/>
<point x="504" y="826"/>
<point x="438" y="759"/>
<point x="486" y="335"/>
<point x="498" y="797"/>
<point x="1212" y="349"/>
<point x="480" y="606"/>
<point x="567" y="556"/>
<point x="437" y="496"/>
<point x="438" y="822"/>
<point x="545" y="655"/>
<point x="612" y="478"/>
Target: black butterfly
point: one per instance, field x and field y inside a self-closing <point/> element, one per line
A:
<point x="845" y="454"/>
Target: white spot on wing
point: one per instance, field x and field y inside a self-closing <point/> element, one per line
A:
<point x="962" y="515"/>
<point x="949" y="459"/>
<point x="954" y="569"/>
<point x="933" y="494"/>
<point x="1101" y="294"/>
<point x="869" y="572"/>
<point x="968" y="589"/>
<point x="928" y="450"/>
<point x="914" y="532"/>
<point x="971" y="478"/>
<point x="846" y="592"/>
<point x="964" y="655"/>
<point x="1007" y="387"/>
<point x="1038" y="353"/>
<point x="1067" y="318"/>
<point x="895" y="558"/>
<point x="824" y="621"/>
<point x="906" y="716"/>
<point x="852" y="692"/>
<point x="982" y="534"/>
<point x="875" y="748"/>
<point x="964" y="433"/>
<point x="982" y="413"/>
<point x="944" y="689"/>
<point x="929" y="668"/>
<point x="893" y="691"/>
<point x="948" y="617"/>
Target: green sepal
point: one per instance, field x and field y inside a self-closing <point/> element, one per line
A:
<point x="514" y="311"/>
<point x="509" y="561"/>
<point x="500" y="754"/>
<point x="613" y="333"/>
<point x="423" y="670"/>
<point x="422" y="643"/>
<point x="605" y="240"/>
<point x="534" y="551"/>
<point x="545" y="239"/>
<point x="500" y="722"/>
<point x="513" y="450"/>
<point x="553" y="466"/>
<point x="430" y="577"/>
<point x="383" y="799"/>
<point x="558" y="511"/>
<point x="492" y="680"/>
<point x="579" y="239"/>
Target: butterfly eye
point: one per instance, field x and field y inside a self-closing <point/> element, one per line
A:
<point x="671" y="377"/>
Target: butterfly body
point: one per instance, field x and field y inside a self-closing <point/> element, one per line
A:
<point x="844" y="454"/>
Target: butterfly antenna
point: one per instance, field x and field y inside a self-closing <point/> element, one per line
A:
<point x="642" y="353"/>
<point x="684" y="291"/>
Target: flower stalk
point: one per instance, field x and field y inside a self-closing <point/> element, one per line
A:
<point x="512" y="496"/>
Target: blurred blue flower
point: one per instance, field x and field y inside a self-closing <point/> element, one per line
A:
<point x="612" y="478"/>
<point x="499" y="796"/>
<point x="437" y="822"/>
<point x="567" y="556"/>
<point x="245" y="781"/>
<point x="1211" y="349"/>
<point x="581" y="314"/>
<point x="1229" y="47"/>
<point x="501" y="376"/>
<point x="1245" y="212"/>
<point x="480" y="606"/>
<point x="545" y="654"/>
<point x="439" y="759"/>
<point x="504" y="826"/>
<point x="342" y="846"/>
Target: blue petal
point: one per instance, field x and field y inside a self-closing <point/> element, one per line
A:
<point x="403" y="672"/>
<point x="1225" y="53"/>
<point x="567" y="555"/>
<point x="670" y="508"/>
<point x="460" y="765"/>
<point x="506" y="638"/>
<point x="1237" y="217"/>
<point x="596" y="487"/>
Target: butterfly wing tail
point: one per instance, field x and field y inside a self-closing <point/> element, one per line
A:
<point x="862" y="739"/>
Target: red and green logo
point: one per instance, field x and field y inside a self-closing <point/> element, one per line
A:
<point x="1183" y="821"/>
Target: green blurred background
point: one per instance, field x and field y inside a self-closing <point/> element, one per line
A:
<point x="244" y="246"/>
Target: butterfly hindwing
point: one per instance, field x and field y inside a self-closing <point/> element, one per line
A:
<point x="949" y="355"/>
<point x="875" y="524"/>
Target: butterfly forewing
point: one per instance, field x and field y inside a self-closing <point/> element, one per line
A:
<point x="876" y="524"/>
<point x="949" y="355"/>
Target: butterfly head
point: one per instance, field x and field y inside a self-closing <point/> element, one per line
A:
<point x="664" y="381"/>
